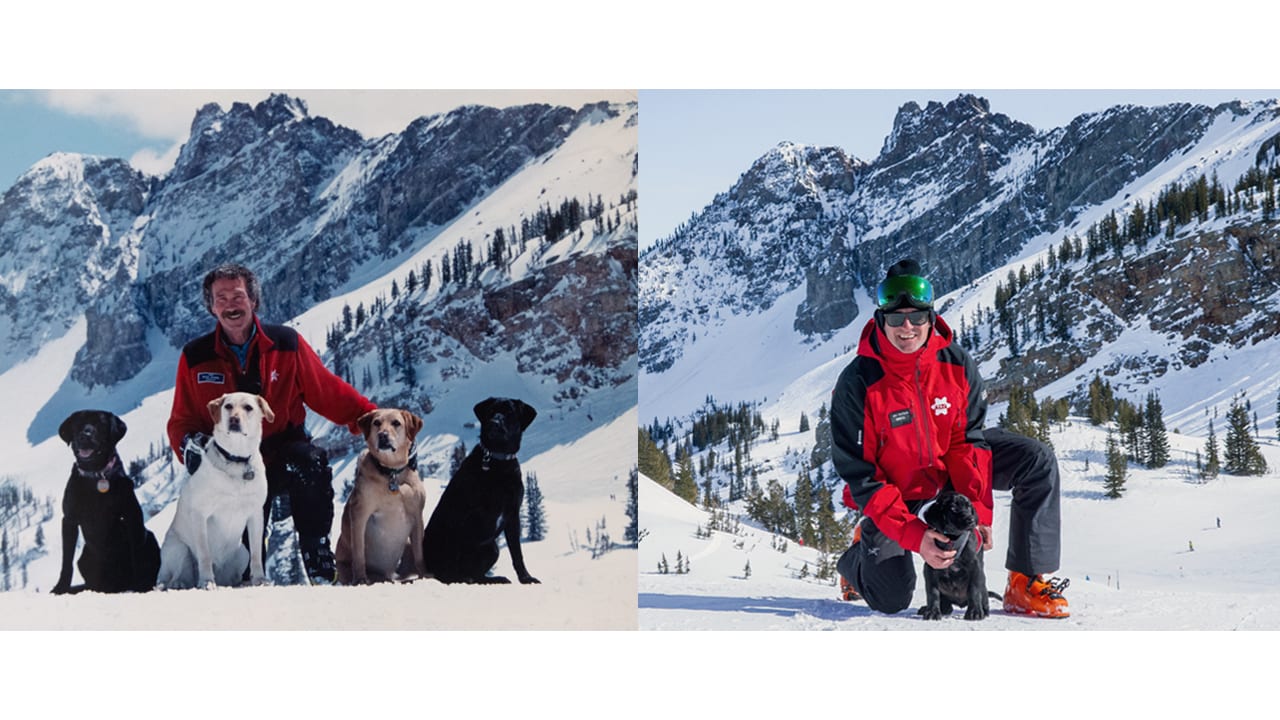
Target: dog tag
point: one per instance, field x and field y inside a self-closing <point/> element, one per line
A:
<point x="248" y="474"/>
<point x="394" y="486"/>
<point x="103" y="485"/>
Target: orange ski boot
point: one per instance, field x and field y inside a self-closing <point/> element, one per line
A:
<point x="1035" y="596"/>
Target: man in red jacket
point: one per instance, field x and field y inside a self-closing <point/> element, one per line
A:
<point x="243" y="354"/>
<point x="907" y="422"/>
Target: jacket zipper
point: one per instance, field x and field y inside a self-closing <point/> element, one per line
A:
<point x="926" y="454"/>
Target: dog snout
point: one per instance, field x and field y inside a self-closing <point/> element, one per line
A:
<point x="233" y="423"/>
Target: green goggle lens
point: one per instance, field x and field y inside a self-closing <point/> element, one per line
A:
<point x="896" y="319"/>
<point x="916" y="288"/>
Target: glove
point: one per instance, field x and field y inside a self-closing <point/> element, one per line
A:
<point x="193" y="451"/>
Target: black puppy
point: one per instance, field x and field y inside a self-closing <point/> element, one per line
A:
<point x="964" y="582"/>
<point x="120" y="554"/>
<point x="481" y="502"/>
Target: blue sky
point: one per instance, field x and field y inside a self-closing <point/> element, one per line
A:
<point x="696" y="143"/>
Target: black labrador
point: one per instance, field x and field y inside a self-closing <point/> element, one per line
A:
<point x="120" y="554"/>
<point x="482" y="502"/>
<point x="964" y="582"/>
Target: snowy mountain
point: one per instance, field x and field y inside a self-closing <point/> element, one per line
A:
<point x="1136" y="247"/>
<point x="777" y="271"/>
<point x="480" y="252"/>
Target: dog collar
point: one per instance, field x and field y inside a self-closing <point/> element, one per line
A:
<point x="958" y="544"/>
<point x="104" y="483"/>
<point x="393" y="474"/>
<point x="490" y="455"/>
<point x="248" y="472"/>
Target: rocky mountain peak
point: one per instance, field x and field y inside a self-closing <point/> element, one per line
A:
<point x="792" y="170"/>
<point x="217" y="135"/>
<point x="914" y="128"/>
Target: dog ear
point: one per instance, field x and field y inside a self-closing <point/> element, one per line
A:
<point x="215" y="410"/>
<point x="117" y="427"/>
<point x="365" y="422"/>
<point x="412" y="423"/>
<point x="68" y="427"/>
<point x="267" y="413"/>
<point x="484" y="408"/>
<point x="527" y="413"/>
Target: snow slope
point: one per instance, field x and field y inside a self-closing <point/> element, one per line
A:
<point x="1128" y="559"/>
<point x="576" y="592"/>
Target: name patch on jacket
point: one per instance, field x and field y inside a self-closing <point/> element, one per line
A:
<point x="899" y="418"/>
<point x="211" y="378"/>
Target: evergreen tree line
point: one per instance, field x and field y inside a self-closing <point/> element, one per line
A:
<point x="808" y="515"/>
<point x="1027" y="416"/>
<point x="1140" y="428"/>
<point x="1174" y="206"/>
<point x="19" y="509"/>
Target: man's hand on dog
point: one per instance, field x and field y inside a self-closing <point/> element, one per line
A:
<point x="193" y="451"/>
<point x="985" y="530"/>
<point x="934" y="556"/>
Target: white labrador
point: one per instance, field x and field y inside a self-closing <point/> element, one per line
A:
<point x="222" y="500"/>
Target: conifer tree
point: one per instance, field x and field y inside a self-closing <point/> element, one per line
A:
<point x="1211" y="461"/>
<point x="685" y="486"/>
<point x="1117" y="466"/>
<point x="804" y="515"/>
<point x="632" y="532"/>
<point x="1241" y="455"/>
<point x="535" y="513"/>
<point x="654" y="462"/>
<point x="746" y="571"/>
<point x="804" y="423"/>
<point x="1156" y="436"/>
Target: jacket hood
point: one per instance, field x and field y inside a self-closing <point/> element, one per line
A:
<point x="875" y="344"/>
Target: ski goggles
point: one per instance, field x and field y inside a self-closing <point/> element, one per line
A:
<point x="898" y="319"/>
<point x="918" y="292"/>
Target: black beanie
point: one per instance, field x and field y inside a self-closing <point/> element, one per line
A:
<point x="904" y="267"/>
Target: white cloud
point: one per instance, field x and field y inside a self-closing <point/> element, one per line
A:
<point x="149" y="161"/>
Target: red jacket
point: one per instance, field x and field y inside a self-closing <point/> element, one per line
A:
<point x="904" y="426"/>
<point x="290" y="374"/>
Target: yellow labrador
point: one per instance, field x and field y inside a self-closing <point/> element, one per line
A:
<point x="222" y="500"/>
<point x="382" y="521"/>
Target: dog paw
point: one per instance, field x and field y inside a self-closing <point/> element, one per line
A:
<point x="975" y="613"/>
<point x="931" y="613"/>
<point x="529" y="580"/>
<point x="208" y="585"/>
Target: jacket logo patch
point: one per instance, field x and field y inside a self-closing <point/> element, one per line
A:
<point x="941" y="406"/>
<point x="899" y="418"/>
<point x="211" y="378"/>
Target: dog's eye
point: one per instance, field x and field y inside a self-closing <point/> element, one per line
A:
<point x="248" y="408"/>
<point x="395" y="423"/>
<point x="227" y="406"/>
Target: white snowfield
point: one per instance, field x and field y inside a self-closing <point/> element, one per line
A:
<point x="1129" y="560"/>
<point x="576" y="592"/>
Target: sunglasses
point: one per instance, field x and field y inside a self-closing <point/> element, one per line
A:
<point x="896" y="319"/>
<point x="918" y="290"/>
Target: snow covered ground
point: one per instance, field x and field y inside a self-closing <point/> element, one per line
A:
<point x="1129" y="560"/>
<point x="576" y="591"/>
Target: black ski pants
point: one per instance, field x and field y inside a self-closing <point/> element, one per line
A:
<point x="300" y="470"/>
<point x="884" y="573"/>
